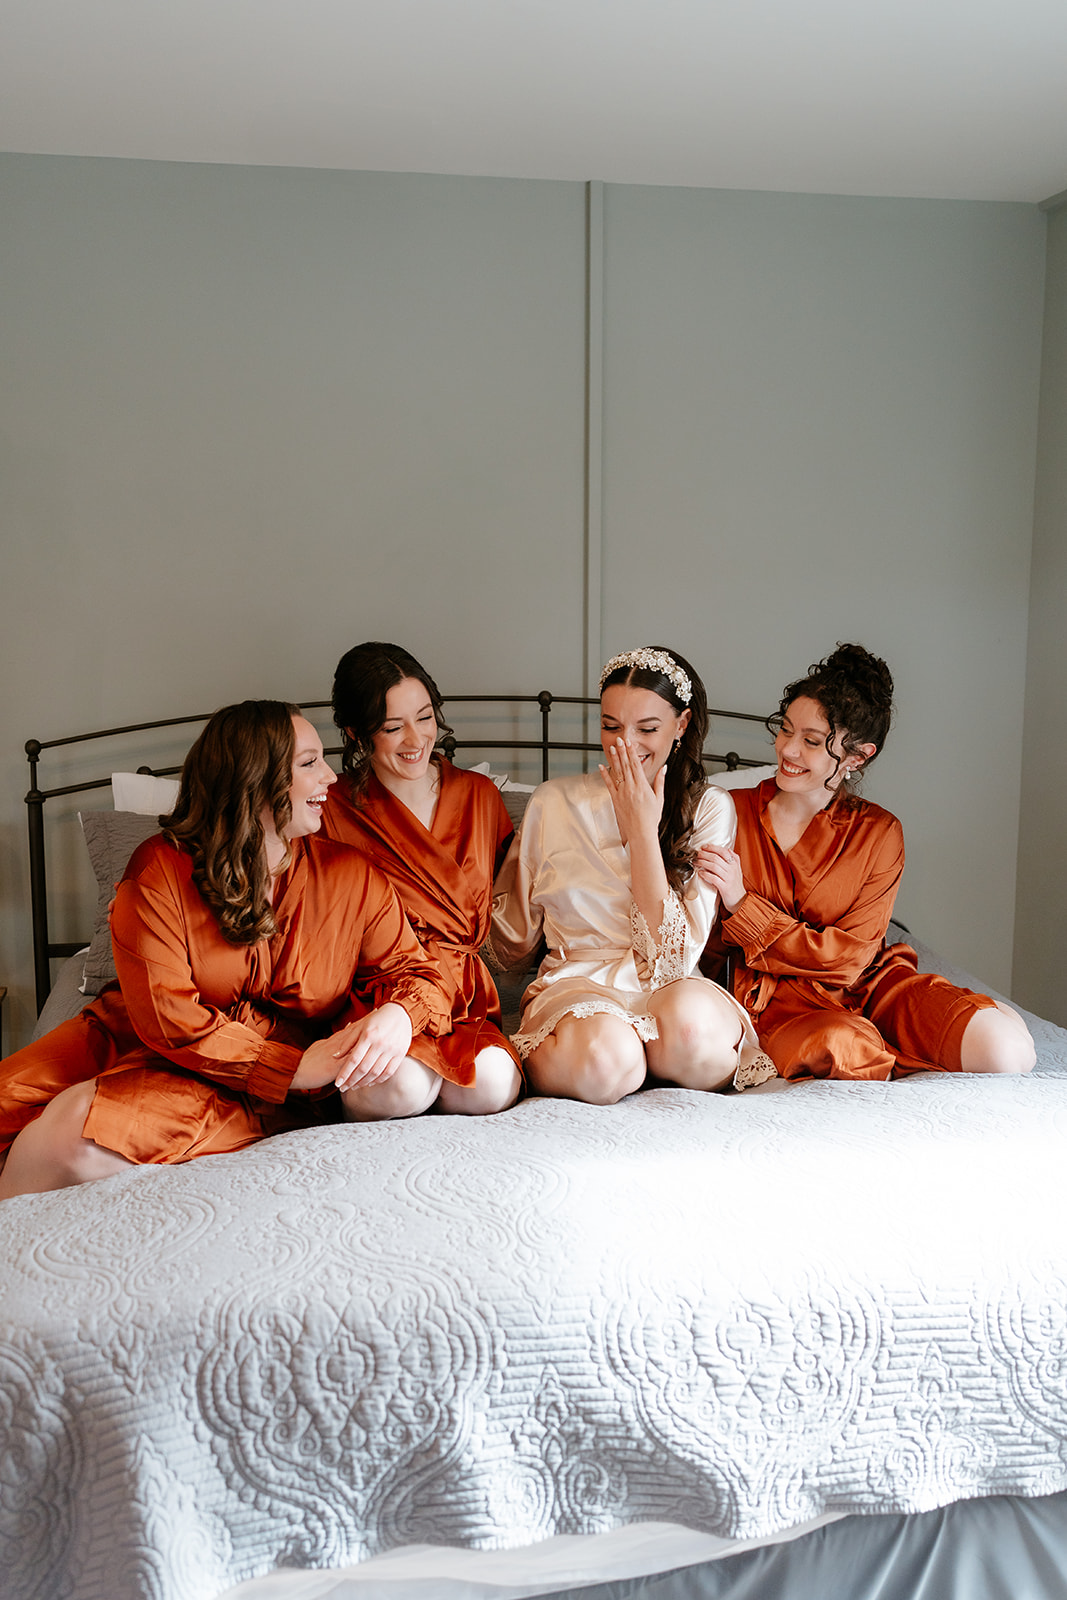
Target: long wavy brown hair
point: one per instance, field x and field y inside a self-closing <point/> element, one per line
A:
<point x="241" y="765"/>
<point x="685" y="779"/>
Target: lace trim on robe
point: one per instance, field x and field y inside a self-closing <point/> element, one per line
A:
<point x="492" y="959"/>
<point x="758" y="1070"/>
<point x="644" y="1026"/>
<point x="660" y="960"/>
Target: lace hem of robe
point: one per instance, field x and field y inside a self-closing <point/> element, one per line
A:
<point x="643" y="1024"/>
<point x="746" y="1075"/>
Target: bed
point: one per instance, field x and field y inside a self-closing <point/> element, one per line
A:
<point x="809" y="1340"/>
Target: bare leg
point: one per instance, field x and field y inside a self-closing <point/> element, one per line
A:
<point x="599" y="1059"/>
<point x="699" y="1032"/>
<point x="496" y="1086"/>
<point x="997" y="1041"/>
<point x="411" y="1090"/>
<point x="52" y="1151"/>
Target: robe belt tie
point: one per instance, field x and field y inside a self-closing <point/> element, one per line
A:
<point x="589" y="952"/>
<point x="430" y="940"/>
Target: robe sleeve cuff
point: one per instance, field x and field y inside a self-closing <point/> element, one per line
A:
<point x="273" y="1073"/>
<point x="754" y="924"/>
<point x="423" y="1016"/>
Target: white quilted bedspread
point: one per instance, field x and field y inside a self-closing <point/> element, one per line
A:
<point x="734" y="1312"/>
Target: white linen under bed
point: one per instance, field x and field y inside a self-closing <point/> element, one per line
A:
<point x="730" y="1313"/>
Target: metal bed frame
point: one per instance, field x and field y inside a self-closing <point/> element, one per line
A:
<point x="45" y="949"/>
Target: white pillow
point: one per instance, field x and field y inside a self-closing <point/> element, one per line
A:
<point x="743" y="778"/>
<point x="143" y="794"/>
<point x="505" y="784"/>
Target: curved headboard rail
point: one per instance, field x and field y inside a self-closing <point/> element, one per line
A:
<point x="46" y="949"/>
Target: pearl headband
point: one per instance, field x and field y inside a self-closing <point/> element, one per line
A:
<point x="657" y="661"/>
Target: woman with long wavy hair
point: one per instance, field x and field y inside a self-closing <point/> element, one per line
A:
<point x="259" y="969"/>
<point x="604" y="871"/>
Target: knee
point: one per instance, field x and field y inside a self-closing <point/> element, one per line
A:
<point x="712" y="1038"/>
<point x="608" y="1074"/>
<point x="496" y="1086"/>
<point x="698" y="1040"/>
<point x="601" y="1063"/>
<point x="410" y="1091"/>
<point x="997" y="1040"/>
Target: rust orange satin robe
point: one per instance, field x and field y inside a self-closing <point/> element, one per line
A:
<point x="195" y="1049"/>
<point x="444" y="877"/>
<point x="809" y="959"/>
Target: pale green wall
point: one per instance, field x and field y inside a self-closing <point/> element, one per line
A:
<point x="249" y="416"/>
<point x="1041" y="906"/>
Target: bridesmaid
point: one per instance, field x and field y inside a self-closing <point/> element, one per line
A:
<point x="807" y="892"/>
<point x="438" y="833"/>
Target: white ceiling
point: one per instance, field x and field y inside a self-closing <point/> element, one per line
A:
<point x="942" y="98"/>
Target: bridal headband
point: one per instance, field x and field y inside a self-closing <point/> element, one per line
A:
<point x="656" y="661"/>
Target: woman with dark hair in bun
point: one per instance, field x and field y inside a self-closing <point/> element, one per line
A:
<point x="807" y="893"/>
<point x="604" y="871"/>
<point x="438" y="834"/>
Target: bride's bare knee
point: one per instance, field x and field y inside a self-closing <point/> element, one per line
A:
<point x="698" y="1038"/>
<point x="997" y="1040"/>
<point x="597" y="1059"/>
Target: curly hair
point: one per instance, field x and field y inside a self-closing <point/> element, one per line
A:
<point x="685" y="779"/>
<point x="855" y="690"/>
<point x="364" y="676"/>
<point x="241" y="765"/>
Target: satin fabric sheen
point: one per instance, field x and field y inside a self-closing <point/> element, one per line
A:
<point x="444" y="877"/>
<point x="195" y="1048"/>
<point x="809" y="960"/>
<point x="567" y="877"/>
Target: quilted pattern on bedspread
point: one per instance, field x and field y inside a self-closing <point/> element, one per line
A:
<point x="732" y="1312"/>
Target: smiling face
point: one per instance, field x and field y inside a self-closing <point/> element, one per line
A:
<point x="805" y="765"/>
<point x="402" y="746"/>
<point x="312" y="777"/>
<point x="648" y="721"/>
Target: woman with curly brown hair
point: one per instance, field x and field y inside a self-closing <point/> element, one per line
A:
<point x="603" y="870"/>
<point x="438" y="833"/>
<point x="259" y="968"/>
<point x="807" y="892"/>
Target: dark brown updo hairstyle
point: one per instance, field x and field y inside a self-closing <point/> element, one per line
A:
<point x="364" y="676"/>
<point x="855" y="690"/>
<point x="685" y="779"/>
<point x="241" y="765"/>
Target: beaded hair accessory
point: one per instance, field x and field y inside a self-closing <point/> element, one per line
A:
<point x="657" y="661"/>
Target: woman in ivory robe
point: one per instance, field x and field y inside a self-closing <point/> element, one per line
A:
<point x="807" y="894"/>
<point x="259" y="969"/>
<point x="603" y="870"/>
<point x="438" y="834"/>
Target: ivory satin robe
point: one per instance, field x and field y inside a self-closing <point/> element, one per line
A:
<point x="567" y="879"/>
<point x="195" y="1048"/>
<point x="808" y="954"/>
<point x="444" y="878"/>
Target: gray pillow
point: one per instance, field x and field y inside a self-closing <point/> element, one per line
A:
<point x="111" y="837"/>
<point x="515" y="803"/>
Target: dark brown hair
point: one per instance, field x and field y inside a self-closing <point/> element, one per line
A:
<point x="855" y="690"/>
<point x="241" y="764"/>
<point x="685" y="779"/>
<point x="364" y="676"/>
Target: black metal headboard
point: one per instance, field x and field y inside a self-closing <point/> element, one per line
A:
<point x="45" y="949"/>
